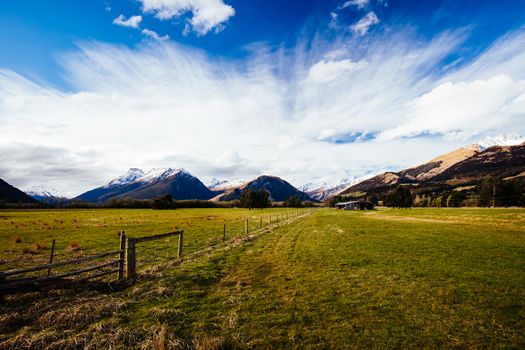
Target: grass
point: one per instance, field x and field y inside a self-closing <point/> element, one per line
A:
<point x="81" y="232"/>
<point x="425" y="278"/>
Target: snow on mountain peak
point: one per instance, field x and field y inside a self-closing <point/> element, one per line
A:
<point x="138" y="175"/>
<point x="158" y="174"/>
<point x="226" y="185"/>
<point x="44" y="191"/>
<point x="510" y="139"/>
<point x="216" y="183"/>
<point x="130" y="176"/>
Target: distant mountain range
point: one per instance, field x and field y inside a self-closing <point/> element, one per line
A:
<point x="279" y="189"/>
<point x="418" y="173"/>
<point x="502" y="156"/>
<point x="47" y="195"/>
<point x="181" y="185"/>
<point x="461" y="169"/>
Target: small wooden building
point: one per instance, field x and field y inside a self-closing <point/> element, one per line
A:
<point x="355" y="205"/>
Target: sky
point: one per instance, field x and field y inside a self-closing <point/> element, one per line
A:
<point x="313" y="91"/>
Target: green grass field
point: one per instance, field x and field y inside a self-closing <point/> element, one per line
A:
<point x="415" y="278"/>
<point x="97" y="231"/>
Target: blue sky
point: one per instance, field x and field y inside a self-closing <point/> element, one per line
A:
<point x="307" y="90"/>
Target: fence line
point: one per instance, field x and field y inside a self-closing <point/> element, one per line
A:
<point x="126" y="261"/>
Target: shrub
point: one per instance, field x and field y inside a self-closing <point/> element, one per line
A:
<point x="39" y="246"/>
<point x="73" y="246"/>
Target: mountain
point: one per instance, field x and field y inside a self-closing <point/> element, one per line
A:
<point x="466" y="166"/>
<point x="324" y="191"/>
<point x="216" y="183"/>
<point x="279" y="189"/>
<point x="47" y="195"/>
<point x="500" y="140"/>
<point x="500" y="161"/>
<point x="11" y="194"/>
<point x="138" y="184"/>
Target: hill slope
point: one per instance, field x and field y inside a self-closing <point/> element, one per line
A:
<point x="279" y="189"/>
<point x="138" y="184"/>
<point x="462" y="167"/>
<point x="11" y="194"/>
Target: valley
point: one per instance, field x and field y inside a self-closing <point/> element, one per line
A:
<point x="420" y="278"/>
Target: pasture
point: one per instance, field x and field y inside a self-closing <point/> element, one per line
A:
<point x="413" y="278"/>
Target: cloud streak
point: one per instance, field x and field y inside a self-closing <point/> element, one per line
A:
<point x="342" y="109"/>
<point x="131" y="22"/>
<point x="364" y="24"/>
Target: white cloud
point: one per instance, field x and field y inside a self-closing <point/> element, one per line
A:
<point x="154" y="35"/>
<point x="206" y="15"/>
<point x="308" y="115"/>
<point x="464" y="109"/>
<point x="132" y="22"/>
<point x="365" y="23"/>
<point x="324" y="72"/>
<point x="357" y="3"/>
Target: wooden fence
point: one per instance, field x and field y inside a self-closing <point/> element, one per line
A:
<point x="131" y="249"/>
<point x="8" y="285"/>
<point x="124" y="264"/>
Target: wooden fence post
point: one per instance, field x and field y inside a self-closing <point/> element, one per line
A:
<point x="246" y="226"/>
<point x="51" y="257"/>
<point x="131" y="267"/>
<point x="224" y="233"/>
<point x="2" y="281"/>
<point x="122" y="254"/>
<point x="181" y="242"/>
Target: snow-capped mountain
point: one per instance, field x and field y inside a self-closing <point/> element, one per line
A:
<point x="226" y="185"/>
<point x="510" y="139"/>
<point x="216" y="183"/>
<point x="45" y="194"/>
<point x="159" y="174"/>
<point x="279" y="189"/>
<point x="130" y="176"/>
<point x="139" y="184"/>
<point x="499" y="156"/>
<point x="139" y="175"/>
<point x="322" y="191"/>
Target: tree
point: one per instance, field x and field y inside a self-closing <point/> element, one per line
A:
<point x="293" y="202"/>
<point x="401" y="197"/>
<point x="162" y="202"/>
<point x="455" y="199"/>
<point x="372" y="199"/>
<point x="487" y="192"/>
<point x="254" y="199"/>
<point x="330" y="202"/>
<point x="262" y="199"/>
<point x="247" y="198"/>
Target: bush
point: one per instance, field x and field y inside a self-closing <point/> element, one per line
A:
<point x="254" y="199"/>
<point x="162" y="202"/>
<point x="401" y="197"/>
<point x="293" y="202"/>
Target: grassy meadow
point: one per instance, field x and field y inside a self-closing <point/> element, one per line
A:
<point x="26" y="236"/>
<point x="412" y="278"/>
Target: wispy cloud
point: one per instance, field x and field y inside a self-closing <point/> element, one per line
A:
<point x="340" y="109"/>
<point x="365" y="23"/>
<point x="357" y="3"/>
<point x="154" y="35"/>
<point x="132" y="22"/>
<point x="206" y="15"/>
